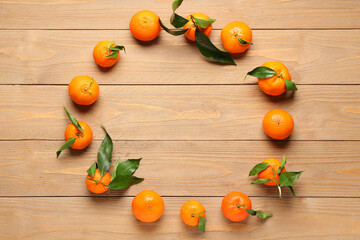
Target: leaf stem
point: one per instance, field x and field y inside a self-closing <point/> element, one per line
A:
<point x="275" y="179"/>
<point x="97" y="181"/>
<point x="193" y="20"/>
<point x="198" y="214"/>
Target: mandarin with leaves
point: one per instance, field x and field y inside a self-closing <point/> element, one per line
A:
<point x="274" y="78"/>
<point x="236" y="206"/>
<point x="78" y="134"/>
<point x="191" y="26"/>
<point x="236" y="37"/>
<point x="106" y="53"/>
<point x="278" y="124"/>
<point x="233" y="206"/>
<point x="148" y="206"/>
<point x="83" y="90"/>
<point x="192" y="213"/>
<point x="272" y="168"/>
<point x="98" y="184"/>
<point x="272" y="172"/>
<point x="83" y="139"/>
<point x="145" y="26"/>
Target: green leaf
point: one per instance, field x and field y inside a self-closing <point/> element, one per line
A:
<point x="110" y="44"/>
<point x="123" y="181"/>
<point x="104" y="155"/>
<point x="73" y="120"/>
<point x="263" y="215"/>
<point x="114" y="54"/>
<point x="209" y="50"/>
<point x="127" y="167"/>
<point x="258" y="168"/>
<point x="204" y="23"/>
<point x="261" y="181"/>
<point x="118" y="48"/>
<point x="261" y="72"/>
<point x="243" y="42"/>
<point x="176" y="4"/>
<point x="178" y="21"/>
<point x="292" y="191"/>
<point x="283" y="162"/>
<point x="201" y="224"/>
<point x="92" y="169"/>
<point x="260" y="214"/>
<point x="290" y="85"/>
<point x="250" y="211"/>
<point x="67" y="144"/>
<point x="174" y="32"/>
<point x="289" y="178"/>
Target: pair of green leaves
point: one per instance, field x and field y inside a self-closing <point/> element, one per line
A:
<point x="70" y="141"/>
<point x="286" y="179"/>
<point x="114" y="50"/>
<point x="265" y="72"/>
<point x="122" y="175"/>
<point x="258" y="213"/>
<point x="205" y="46"/>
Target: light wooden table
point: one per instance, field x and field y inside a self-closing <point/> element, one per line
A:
<point x="197" y="125"/>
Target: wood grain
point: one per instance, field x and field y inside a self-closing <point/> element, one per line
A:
<point x="180" y="112"/>
<point x="111" y="218"/>
<point x="55" y="57"/>
<point x="182" y="168"/>
<point x="107" y="14"/>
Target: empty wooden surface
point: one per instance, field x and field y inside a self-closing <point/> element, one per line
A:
<point x="196" y="124"/>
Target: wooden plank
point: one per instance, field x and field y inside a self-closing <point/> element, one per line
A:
<point x="98" y="218"/>
<point x="55" y="57"/>
<point x="182" y="168"/>
<point x="105" y="14"/>
<point x="180" y="112"/>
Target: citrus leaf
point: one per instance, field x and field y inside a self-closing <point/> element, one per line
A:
<point x="174" y="32"/>
<point x="118" y="48"/>
<point x="176" y="4"/>
<point x="105" y="154"/>
<point x="289" y="178"/>
<point x="262" y="72"/>
<point x="67" y="144"/>
<point x="123" y="181"/>
<point x="258" y="213"/>
<point x="290" y="85"/>
<point x="283" y="162"/>
<point x="110" y="44"/>
<point x="73" y="120"/>
<point x="114" y="54"/>
<point x="261" y="181"/>
<point x="178" y="21"/>
<point x="92" y="169"/>
<point x="263" y="215"/>
<point x="204" y="23"/>
<point x="258" y="168"/>
<point x="209" y="50"/>
<point x="292" y="191"/>
<point x="250" y="211"/>
<point x="201" y="224"/>
<point x="243" y="42"/>
<point x="127" y="167"/>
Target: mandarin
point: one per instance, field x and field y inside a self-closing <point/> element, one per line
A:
<point x="268" y="172"/>
<point x="190" y="33"/>
<point x="148" y="206"/>
<point x="233" y="36"/>
<point x="275" y="85"/>
<point x="278" y="124"/>
<point x="97" y="184"/>
<point x="233" y="206"/>
<point x="83" y="139"/>
<point x="145" y="25"/>
<point x="191" y="211"/>
<point x="83" y="90"/>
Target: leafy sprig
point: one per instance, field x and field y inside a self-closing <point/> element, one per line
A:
<point x="70" y="141"/>
<point x="265" y="72"/>
<point x="122" y="175"/>
<point x="205" y="46"/>
<point x="286" y="179"/>
<point x="113" y="51"/>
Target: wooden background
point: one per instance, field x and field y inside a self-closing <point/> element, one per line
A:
<point x="196" y="124"/>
